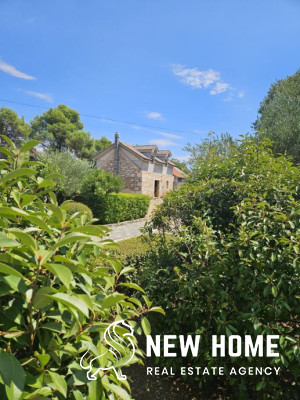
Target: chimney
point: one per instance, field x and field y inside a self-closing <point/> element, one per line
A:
<point x="116" y="155"/>
<point x="117" y="138"/>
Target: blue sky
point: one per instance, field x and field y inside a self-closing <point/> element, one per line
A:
<point x="182" y="67"/>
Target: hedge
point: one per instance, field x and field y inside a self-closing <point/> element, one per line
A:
<point x="117" y="207"/>
<point x="74" y="206"/>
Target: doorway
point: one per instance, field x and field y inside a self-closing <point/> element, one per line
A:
<point x="156" y="188"/>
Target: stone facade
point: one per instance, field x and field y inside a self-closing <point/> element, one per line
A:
<point x="144" y="169"/>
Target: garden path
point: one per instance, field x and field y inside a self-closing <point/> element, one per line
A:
<point x="129" y="229"/>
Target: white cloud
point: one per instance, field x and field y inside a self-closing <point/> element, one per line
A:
<point x="11" y="70"/>
<point x="199" y="132"/>
<point x="154" y="115"/>
<point x="43" y="96"/>
<point x="228" y="99"/>
<point x="162" y="142"/>
<point x="241" y="95"/>
<point x="219" y="87"/>
<point x="196" y="78"/>
<point x="169" y="135"/>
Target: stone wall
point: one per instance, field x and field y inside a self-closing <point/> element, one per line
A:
<point x="130" y="174"/>
<point x="165" y="183"/>
<point x="107" y="164"/>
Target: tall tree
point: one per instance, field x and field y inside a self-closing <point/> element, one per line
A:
<point x="60" y="129"/>
<point x="279" y="116"/>
<point x="12" y="126"/>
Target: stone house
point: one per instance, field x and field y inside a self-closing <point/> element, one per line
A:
<point x="144" y="169"/>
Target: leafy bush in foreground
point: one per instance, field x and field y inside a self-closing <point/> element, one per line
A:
<point x="234" y="267"/>
<point x="59" y="290"/>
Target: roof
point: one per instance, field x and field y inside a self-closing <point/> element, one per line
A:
<point x="139" y="151"/>
<point x="146" y="147"/>
<point x="178" y="173"/>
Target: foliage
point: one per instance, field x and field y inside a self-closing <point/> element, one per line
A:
<point x="99" y="182"/>
<point x="208" y="155"/>
<point x="132" y="247"/>
<point x="60" y="128"/>
<point x="59" y="290"/>
<point x="12" y="126"/>
<point x="234" y="268"/>
<point x="279" y="117"/>
<point x="73" y="207"/>
<point x="182" y="165"/>
<point x="118" y="207"/>
<point x="70" y="172"/>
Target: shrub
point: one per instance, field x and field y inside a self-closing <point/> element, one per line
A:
<point x="117" y="207"/>
<point x="59" y="291"/>
<point x="234" y="268"/>
<point x="73" y="206"/>
<point x="70" y="172"/>
<point x="99" y="182"/>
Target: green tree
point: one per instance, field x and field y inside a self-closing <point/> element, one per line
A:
<point x="60" y="128"/>
<point x="71" y="169"/>
<point x="182" y="165"/>
<point x="12" y="126"/>
<point x="279" y="116"/>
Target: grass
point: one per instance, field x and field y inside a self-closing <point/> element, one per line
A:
<point x="132" y="247"/>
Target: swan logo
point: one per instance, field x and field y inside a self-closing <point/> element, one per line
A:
<point x="118" y="344"/>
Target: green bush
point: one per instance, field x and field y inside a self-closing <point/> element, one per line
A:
<point x="70" y="172"/>
<point x="73" y="207"/>
<point x="99" y="182"/>
<point x="59" y="291"/>
<point x="117" y="207"/>
<point x="125" y="206"/>
<point x="234" y="266"/>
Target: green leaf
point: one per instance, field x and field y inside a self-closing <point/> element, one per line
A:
<point x="24" y="238"/>
<point x="132" y="286"/>
<point x="7" y="270"/>
<point x="38" y="222"/>
<point x="71" y="301"/>
<point x="4" y="211"/>
<point x="157" y="309"/>
<point x="7" y="152"/>
<point x="120" y="392"/>
<point x="18" y="173"/>
<point x="29" y="145"/>
<point x="63" y="273"/>
<point x="77" y="395"/>
<point x="41" y="298"/>
<point x="228" y="332"/>
<point x="146" y="325"/>
<point x="69" y="238"/>
<point x="112" y="300"/>
<point x="59" y="383"/>
<point x="7" y="139"/>
<point x="12" y="375"/>
<point x="56" y="210"/>
<point x="127" y="270"/>
<point x="91" y="230"/>
<point x="7" y="242"/>
<point x="43" y="358"/>
<point x="95" y="390"/>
